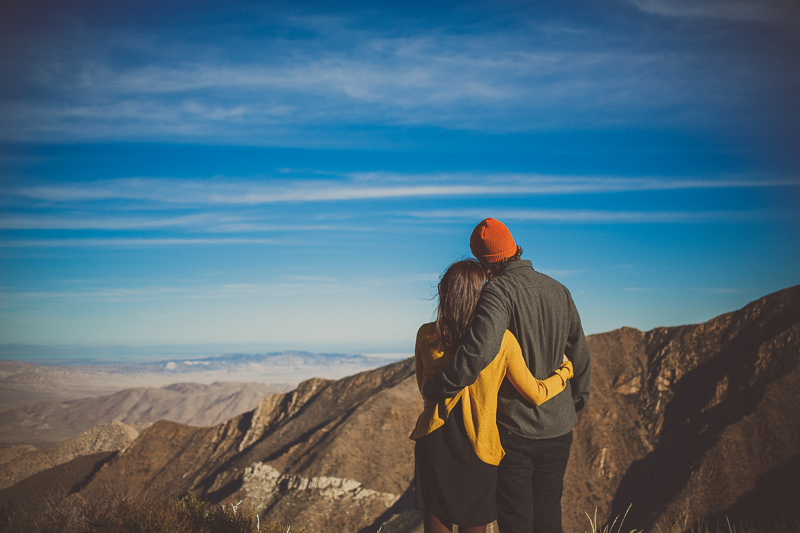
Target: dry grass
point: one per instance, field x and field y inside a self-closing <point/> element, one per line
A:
<point x="190" y="515"/>
<point x="617" y="526"/>
<point x="597" y="528"/>
<point x="778" y="526"/>
<point x="134" y="515"/>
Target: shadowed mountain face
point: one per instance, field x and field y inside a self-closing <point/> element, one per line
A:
<point x="18" y="463"/>
<point x="690" y="422"/>
<point x="697" y="421"/>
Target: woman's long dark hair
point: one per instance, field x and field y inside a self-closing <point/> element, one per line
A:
<point x="459" y="290"/>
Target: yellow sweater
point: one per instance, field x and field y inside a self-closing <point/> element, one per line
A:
<point x="479" y="400"/>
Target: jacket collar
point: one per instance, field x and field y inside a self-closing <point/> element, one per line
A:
<point x="516" y="265"/>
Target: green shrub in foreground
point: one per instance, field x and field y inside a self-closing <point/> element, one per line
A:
<point x="135" y="515"/>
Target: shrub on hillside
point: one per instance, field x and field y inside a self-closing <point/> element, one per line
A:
<point x="135" y="515"/>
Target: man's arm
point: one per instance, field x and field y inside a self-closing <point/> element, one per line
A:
<point x="577" y="350"/>
<point x="479" y="348"/>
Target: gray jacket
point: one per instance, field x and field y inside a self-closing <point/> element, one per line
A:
<point x="539" y="311"/>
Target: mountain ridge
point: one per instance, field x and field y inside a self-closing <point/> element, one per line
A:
<point x="45" y="424"/>
<point x="687" y="422"/>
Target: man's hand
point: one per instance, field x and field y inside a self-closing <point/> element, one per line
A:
<point x="426" y="402"/>
<point x="565" y="359"/>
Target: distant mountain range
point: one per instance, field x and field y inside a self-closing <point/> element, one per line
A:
<point x="257" y="363"/>
<point x="25" y="383"/>
<point x="688" y="423"/>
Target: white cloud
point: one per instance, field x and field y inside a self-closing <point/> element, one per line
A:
<point x="108" y="222"/>
<point x="190" y="290"/>
<point x="324" y="279"/>
<point x="708" y="290"/>
<point x="742" y="10"/>
<point x="126" y="242"/>
<point x="486" y="79"/>
<point x="591" y="216"/>
<point x="361" y="186"/>
<point x="206" y="222"/>
<point x="106" y="294"/>
<point x="561" y="272"/>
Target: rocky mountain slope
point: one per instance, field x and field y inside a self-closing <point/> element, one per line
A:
<point x="694" y="422"/>
<point x="698" y="421"/>
<point x="333" y="454"/>
<point x="45" y="424"/>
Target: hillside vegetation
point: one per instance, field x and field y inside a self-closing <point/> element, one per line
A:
<point x="135" y="515"/>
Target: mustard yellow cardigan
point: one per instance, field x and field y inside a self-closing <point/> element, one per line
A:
<point x="479" y="400"/>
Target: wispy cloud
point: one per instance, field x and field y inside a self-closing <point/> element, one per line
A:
<point x="325" y="279"/>
<point x="742" y="10"/>
<point x="106" y="294"/>
<point x="561" y="272"/>
<point x="109" y="222"/>
<point x="127" y="242"/>
<point x="190" y="290"/>
<point x="589" y="216"/>
<point x="360" y="186"/>
<point x="521" y="77"/>
<point x="707" y="290"/>
<point x="107" y="219"/>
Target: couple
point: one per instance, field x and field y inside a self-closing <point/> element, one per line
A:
<point x="503" y="371"/>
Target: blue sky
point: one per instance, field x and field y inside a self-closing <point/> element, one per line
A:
<point x="297" y="175"/>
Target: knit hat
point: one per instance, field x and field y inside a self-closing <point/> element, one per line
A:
<point x="491" y="241"/>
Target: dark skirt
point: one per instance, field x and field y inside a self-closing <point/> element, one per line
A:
<point x="449" y="480"/>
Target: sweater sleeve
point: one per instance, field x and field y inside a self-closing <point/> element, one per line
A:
<point x="535" y="390"/>
<point x="577" y="350"/>
<point x="418" y="365"/>
<point x="479" y="347"/>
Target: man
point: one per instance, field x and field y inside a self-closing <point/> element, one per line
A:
<point x="540" y="313"/>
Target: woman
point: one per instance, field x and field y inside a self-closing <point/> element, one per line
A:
<point x="457" y="441"/>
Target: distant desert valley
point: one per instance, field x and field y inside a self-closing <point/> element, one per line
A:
<point x="686" y="424"/>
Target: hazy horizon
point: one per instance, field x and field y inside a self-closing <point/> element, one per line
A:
<point x="103" y="355"/>
<point x="66" y="355"/>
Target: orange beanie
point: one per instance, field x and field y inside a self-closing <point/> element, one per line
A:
<point x="491" y="241"/>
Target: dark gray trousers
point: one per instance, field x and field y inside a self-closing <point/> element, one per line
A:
<point x="530" y="481"/>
